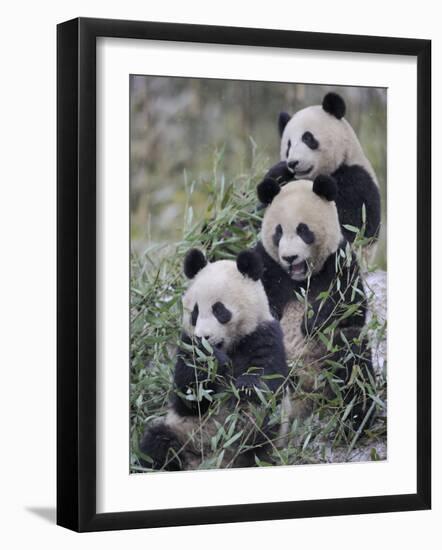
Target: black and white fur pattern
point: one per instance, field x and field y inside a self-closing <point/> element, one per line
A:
<point x="226" y="305"/>
<point x="305" y="254"/>
<point x="318" y="140"/>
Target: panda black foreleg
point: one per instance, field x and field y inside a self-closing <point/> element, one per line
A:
<point x="356" y="375"/>
<point x="163" y="440"/>
<point x="355" y="189"/>
<point x="342" y="286"/>
<point x="189" y="373"/>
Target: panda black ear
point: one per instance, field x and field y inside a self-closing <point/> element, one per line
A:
<point x="194" y="262"/>
<point x="334" y="105"/>
<point x="267" y="190"/>
<point x="326" y="187"/>
<point x="282" y="121"/>
<point x="249" y="264"/>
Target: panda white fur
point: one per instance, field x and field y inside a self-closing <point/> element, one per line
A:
<point x="313" y="284"/>
<point x="318" y="140"/>
<point x="226" y="305"/>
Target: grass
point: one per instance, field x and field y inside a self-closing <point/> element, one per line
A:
<point x="157" y="285"/>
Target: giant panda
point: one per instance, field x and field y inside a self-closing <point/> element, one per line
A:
<point x="313" y="283"/>
<point x="232" y="348"/>
<point x="318" y="140"/>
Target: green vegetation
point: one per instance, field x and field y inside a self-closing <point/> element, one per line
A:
<point x="226" y="222"/>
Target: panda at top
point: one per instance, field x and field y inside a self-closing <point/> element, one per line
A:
<point x="318" y="141"/>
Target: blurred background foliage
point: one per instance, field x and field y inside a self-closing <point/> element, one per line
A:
<point x="179" y="125"/>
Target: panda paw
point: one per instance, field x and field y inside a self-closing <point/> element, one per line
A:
<point x="276" y="177"/>
<point x="160" y="448"/>
<point x="280" y="173"/>
<point x="246" y="384"/>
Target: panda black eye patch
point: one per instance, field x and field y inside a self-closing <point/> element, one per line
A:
<point x="221" y="313"/>
<point x="289" y="144"/>
<point x="304" y="232"/>
<point x="277" y="235"/>
<point x="194" y="315"/>
<point x="309" y="139"/>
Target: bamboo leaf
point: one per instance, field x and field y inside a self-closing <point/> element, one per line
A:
<point x="233" y="439"/>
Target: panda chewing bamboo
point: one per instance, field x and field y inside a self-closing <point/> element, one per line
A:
<point x="231" y="341"/>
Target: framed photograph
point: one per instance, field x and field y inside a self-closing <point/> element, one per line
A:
<point x="243" y="274"/>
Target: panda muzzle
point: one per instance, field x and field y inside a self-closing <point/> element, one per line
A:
<point x="298" y="268"/>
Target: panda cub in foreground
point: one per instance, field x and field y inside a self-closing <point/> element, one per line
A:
<point x="314" y="288"/>
<point x="226" y="306"/>
<point x="317" y="141"/>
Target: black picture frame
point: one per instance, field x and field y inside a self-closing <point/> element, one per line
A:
<point x="77" y="287"/>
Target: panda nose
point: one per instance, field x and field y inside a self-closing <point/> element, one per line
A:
<point x="290" y="259"/>
<point x="292" y="165"/>
<point x="199" y="335"/>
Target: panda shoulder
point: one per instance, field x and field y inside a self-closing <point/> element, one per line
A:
<point x="353" y="174"/>
<point x="265" y="336"/>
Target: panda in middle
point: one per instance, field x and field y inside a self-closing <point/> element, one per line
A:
<point x="231" y="358"/>
<point x="313" y="283"/>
